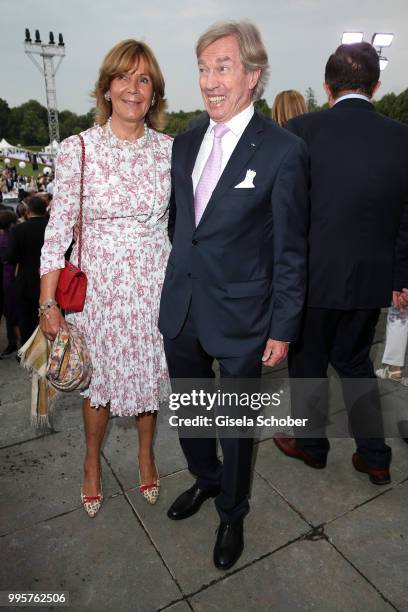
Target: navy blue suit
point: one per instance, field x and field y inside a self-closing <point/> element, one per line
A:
<point x="236" y="279"/>
<point x="358" y="254"/>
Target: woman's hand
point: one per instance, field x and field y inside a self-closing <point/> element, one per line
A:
<point x="51" y="321"/>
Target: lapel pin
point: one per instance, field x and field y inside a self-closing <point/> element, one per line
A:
<point x="252" y="144"/>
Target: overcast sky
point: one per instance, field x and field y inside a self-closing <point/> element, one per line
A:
<point x="299" y="36"/>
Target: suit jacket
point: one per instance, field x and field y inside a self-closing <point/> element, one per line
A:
<point x="358" y="238"/>
<point x="243" y="268"/>
<point x="26" y="241"/>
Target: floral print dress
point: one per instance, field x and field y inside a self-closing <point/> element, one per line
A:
<point x="125" y="248"/>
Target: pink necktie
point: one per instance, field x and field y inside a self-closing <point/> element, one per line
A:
<point x="210" y="174"/>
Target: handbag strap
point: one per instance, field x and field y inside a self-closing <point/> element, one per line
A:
<point x="81" y="197"/>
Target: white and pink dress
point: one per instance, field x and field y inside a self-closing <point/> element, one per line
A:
<point x="125" y="248"/>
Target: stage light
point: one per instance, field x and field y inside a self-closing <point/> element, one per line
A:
<point x="27" y="35"/>
<point x="382" y="40"/>
<point x="349" y="38"/>
<point x="52" y="41"/>
<point x="60" y="41"/>
<point x="37" y="36"/>
<point x="383" y="62"/>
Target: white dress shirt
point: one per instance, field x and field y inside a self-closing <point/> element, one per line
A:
<point x="349" y="96"/>
<point x="236" y="127"/>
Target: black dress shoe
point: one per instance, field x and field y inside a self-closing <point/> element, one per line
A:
<point x="189" y="502"/>
<point x="229" y="544"/>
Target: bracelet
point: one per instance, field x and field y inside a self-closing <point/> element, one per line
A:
<point x="45" y="306"/>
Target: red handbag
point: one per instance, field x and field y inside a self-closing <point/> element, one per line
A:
<point x="71" y="289"/>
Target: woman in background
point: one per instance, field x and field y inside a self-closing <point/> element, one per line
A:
<point x="288" y="104"/>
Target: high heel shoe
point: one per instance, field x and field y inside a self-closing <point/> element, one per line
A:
<point x="150" y="491"/>
<point x="92" y="503"/>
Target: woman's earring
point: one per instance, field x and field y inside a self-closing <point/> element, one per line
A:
<point x="153" y="102"/>
<point x="107" y="96"/>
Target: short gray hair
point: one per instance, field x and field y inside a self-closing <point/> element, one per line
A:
<point x="252" y="50"/>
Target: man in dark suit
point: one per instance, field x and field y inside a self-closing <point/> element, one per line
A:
<point x="26" y="241"/>
<point x="235" y="281"/>
<point x="358" y="257"/>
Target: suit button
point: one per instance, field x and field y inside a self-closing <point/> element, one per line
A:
<point x="195" y="242"/>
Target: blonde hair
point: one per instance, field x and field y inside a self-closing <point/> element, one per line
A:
<point x="288" y="104"/>
<point x="251" y="48"/>
<point x="120" y="59"/>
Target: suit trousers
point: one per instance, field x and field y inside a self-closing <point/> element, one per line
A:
<point x="186" y="358"/>
<point x="343" y="339"/>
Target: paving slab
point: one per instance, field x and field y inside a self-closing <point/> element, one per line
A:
<point x="11" y="370"/>
<point x="15" y="419"/>
<point x="305" y="576"/>
<point x="15" y="423"/>
<point x="322" y="495"/>
<point x="68" y="412"/>
<point x="15" y="383"/>
<point x="106" y="563"/>
<point x="187" y="546"/>
<point x="375" y="539"/>
<point x="121" y="448"/>
<point x="181" y="606"/>
<point x="41" y="478"/>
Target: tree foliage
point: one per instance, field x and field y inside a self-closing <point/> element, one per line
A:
<point x="311" y="101"/>
<point x="262" y="107"/>
<point x="394" y="106"/>
<point x="4" y="118"/>
<point x="27" y="124"/>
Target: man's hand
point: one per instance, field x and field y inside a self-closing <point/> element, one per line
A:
<point x="400" y="299"/>
<point x="275" y="352"/>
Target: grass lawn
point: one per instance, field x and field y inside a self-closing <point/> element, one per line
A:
<point x="27" y="171"/>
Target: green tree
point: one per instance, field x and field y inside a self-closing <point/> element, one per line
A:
<point x="179" y="122"/>
<point x="4" y="118"/>
<point x="400" y="107"/>
<point x="33" y="131"/>
<point x="386" y="104"/>
<point x="311" y="101"/>
<point x="28" y="124"/>
<point x="262" y="107"/>
<point x="86" y="121"/>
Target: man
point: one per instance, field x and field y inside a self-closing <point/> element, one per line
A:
<point x="358" y="255"/>
<point x="26" y="241"/>
<point x="235" y="281"/>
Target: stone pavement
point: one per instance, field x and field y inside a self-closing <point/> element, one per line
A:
<point x="326" y="541"/>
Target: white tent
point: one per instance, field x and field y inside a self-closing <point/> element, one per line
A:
<point x="6" y="146"/>
<point x="52" y="148"/>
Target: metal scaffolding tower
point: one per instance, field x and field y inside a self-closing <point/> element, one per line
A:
<point x="47" y="52"/>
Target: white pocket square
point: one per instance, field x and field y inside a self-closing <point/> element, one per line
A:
<point x="248" y="182"/>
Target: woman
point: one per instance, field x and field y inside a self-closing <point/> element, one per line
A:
<point x="124" y="254"/>
<point x="288" y="104"/>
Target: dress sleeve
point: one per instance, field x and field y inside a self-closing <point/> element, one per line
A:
<point x="64" y="206"/>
